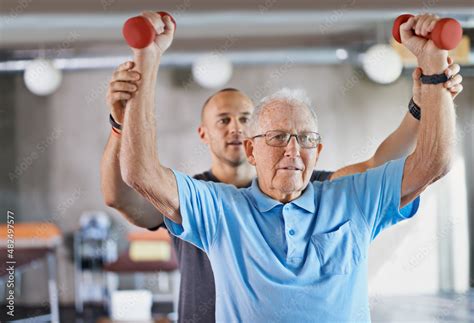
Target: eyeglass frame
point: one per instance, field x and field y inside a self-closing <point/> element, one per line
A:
<point x="289" y="138"/>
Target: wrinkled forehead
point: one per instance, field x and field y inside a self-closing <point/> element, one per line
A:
<point x="281" y="115"/>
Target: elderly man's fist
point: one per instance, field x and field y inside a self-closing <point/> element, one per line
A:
<point x="431" y="59"/>
<point x="164" y="28"/>
<point x="139" y="32"/>
<point x="446" y="33"/>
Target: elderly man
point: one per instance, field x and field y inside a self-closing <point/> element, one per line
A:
<point x="286" y="250"/>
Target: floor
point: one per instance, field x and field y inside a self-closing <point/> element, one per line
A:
<point x="436" y="308"/>
<point x="91" y="314"/>
<point x="439" y="308"/>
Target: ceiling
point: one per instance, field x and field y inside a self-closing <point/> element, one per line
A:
<point x="93" y="27"/>
<point x="173" y="6"/>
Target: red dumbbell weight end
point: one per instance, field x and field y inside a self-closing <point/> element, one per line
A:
<point x="446" y="34"/>
<point x="139" y="32"/>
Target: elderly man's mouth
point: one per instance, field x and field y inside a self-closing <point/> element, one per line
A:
<point x="291" y="168"/>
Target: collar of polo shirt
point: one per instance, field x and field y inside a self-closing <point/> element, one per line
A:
<point x="264" y="203"/>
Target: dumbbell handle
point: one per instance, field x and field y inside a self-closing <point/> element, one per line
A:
<point x="446" y="34"/>
<point x="139" y="32"/>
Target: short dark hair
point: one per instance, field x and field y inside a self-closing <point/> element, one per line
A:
<point x="227" y="89"/>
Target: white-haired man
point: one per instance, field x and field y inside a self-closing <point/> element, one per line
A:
<point x="286" y="250"/>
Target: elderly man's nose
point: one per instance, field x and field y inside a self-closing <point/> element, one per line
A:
<point x="293" y="148"/>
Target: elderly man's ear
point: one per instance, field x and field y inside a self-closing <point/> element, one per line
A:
<point x="248" y="146"/>
<point x="319" y="148"/>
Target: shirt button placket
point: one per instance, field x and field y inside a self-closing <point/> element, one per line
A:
<point x="288" y="226"/>
<point x="288" y="223"/>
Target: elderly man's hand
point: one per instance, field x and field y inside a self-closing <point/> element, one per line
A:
<point x="431" y="59"/>
<point x="164" y="28"/>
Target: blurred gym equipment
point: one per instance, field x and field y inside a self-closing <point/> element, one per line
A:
<point x="33" y="242"/>
<point x="93" y="249"/>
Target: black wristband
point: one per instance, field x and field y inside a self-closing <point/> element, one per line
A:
<point x="114" y="123"/>
<point x="414" y="110"/>
<point x="433" y="79"/>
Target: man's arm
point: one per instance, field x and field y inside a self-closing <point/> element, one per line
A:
<point x="119" y="195"/>
<point x="402" y="141"/>
<point x="139" y="160"/>
<point x="434" y="151"/>
<point x="116" y="193"/>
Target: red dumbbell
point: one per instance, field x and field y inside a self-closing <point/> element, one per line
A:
<point x="139" y="32"/>
<point x="446" y="34"/>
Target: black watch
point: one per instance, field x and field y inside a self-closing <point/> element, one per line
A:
<point x="414" y="109"/>
<point x="114" y="123"/>
<point x="433" y="79"/>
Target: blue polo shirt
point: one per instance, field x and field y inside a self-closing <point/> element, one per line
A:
<point x="303" y="261"/>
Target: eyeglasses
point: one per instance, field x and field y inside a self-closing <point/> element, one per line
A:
<point x="279" y="138"/>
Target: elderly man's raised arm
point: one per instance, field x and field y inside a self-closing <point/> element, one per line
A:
<point x="139" y="160"/>
<point x="401" y="142"/>
<point x="433" y="155"/>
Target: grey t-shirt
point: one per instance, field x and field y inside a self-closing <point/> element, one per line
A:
<point x="197" y="295"/>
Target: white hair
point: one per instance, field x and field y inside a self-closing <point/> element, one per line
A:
<point x="294" y="97"/>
